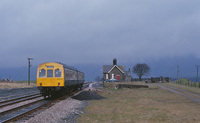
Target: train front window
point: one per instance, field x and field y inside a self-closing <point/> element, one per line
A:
<point x="50" y="67"/>
<point x="49" y="73"/>
<point x="42" y="73"/>
<point x="57" y="73"/>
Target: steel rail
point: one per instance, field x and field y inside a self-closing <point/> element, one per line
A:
<point x="20" y="100"/>
<point x="22" y="106"/>
<point x="20" y="97"/>
<point x="5" y="97"/>
<point x="24" y="112"/>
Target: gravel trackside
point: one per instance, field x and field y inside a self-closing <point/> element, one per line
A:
<point x="66" y="111"/>
<point x="88" y="95"/>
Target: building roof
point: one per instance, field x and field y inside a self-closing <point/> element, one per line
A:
<point x="108" y="68"/>
<point x="117" y="68"/>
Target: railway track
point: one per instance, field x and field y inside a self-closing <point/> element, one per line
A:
<point x="12" y="93"/>
<point x="17" y="95"/>
<point x="10" y="105"/>
<point x="18" y="99"/>
<point x="18" y="112"/>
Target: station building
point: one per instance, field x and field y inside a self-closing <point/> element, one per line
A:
<point x="116" y="72"/>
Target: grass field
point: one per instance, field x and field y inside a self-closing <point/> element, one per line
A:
<point x="151" y="105"/>
<point x="17" y="84"/>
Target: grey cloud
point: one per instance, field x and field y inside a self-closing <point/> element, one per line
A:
<point x="91" y="31"/>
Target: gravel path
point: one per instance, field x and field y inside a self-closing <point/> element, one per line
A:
<point x="191" y="96"/>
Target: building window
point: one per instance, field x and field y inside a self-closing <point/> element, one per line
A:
<point x="113" y="76"/>
<point x="106" y="76"/>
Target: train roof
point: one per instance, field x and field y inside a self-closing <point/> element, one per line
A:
<point x="64" y="65"/>
<point x="68" y="67"/>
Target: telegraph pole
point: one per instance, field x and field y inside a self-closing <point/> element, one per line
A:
<point x="197" y="73"/>
<point x="29" y="66"/>
<point x="177" y="71"/>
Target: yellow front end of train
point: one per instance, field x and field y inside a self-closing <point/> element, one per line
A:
<point x="50" y="75"/>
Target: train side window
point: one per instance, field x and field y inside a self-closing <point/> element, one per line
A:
<point x="42" y="73"/>
<point x="49" y="73"/>
<point x="57" y="73"/>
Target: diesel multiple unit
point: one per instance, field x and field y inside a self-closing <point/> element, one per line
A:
<point x="56" y="78"/>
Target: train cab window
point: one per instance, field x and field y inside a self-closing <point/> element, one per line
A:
<point x="57" y="73"/>
<point x="42" y="73"/>
<point x="49" y="73"/>
<point x="50" y="67"/>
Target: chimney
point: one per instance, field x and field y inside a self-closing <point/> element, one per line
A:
<point x="114" y="61"/>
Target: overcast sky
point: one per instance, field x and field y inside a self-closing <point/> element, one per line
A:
<point x="96" y="31"/>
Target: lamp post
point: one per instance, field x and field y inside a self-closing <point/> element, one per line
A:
<point x="29" y="66"/>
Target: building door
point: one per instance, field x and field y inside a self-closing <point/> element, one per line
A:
<point x="118" y="77"/>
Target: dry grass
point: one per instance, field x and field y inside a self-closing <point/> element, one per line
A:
<point x="9" y="85"/>
<point x="140" y="106"/>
